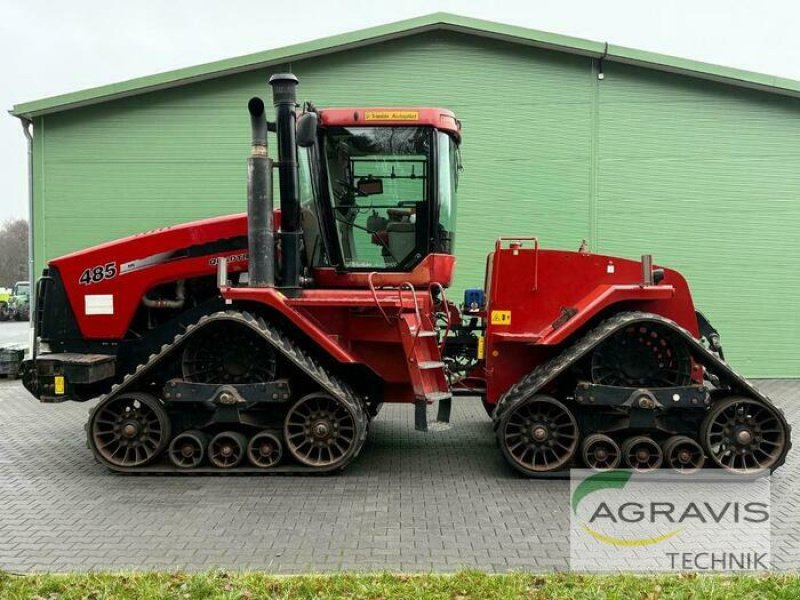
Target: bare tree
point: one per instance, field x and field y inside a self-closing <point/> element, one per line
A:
<point x="13" y="252"/>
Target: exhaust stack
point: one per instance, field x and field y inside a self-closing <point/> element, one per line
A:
<point x="284" y="97"/>
<point x="260" y="235"/>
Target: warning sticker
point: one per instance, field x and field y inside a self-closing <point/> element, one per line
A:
<point x="391" y="115"/>
<point x="481" y="347"/>
<point x="501" y="317"/>
<point x="58" y="385"/>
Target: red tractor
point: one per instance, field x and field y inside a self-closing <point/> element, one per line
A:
<point x="267" y="341"/>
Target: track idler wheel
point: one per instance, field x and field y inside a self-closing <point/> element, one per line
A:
<point x="129" y="430"/>
<point x="744" y="435"/>
<point x="227" y="449"/>
<point x="539" y="435"/>
<point x="188" y="449"/>
<point x="264" y="450"/>
<point x="600" y="452"/>
<point x="683" y="454"/>
<point x="642" y="454"/>
<point x="321" y="431"/>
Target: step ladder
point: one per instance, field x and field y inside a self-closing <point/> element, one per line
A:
<point x="426" y="368"/>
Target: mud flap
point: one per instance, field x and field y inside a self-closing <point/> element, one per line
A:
<point x="445" y="407"/>
<point x="421" y="408"/>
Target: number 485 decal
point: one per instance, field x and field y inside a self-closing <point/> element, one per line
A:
<point x="98" y="273"/>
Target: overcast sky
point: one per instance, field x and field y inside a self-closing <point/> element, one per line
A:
<point x="50" y="47"/>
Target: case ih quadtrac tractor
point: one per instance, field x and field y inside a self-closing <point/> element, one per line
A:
<point x="267" y="341"/>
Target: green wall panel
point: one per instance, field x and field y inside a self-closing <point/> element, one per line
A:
<point x="707" y="178"/>
<point x="702" y="175"/>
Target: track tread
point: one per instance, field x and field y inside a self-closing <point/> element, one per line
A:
<point x="549" y="370"/>
<point x="278" y="340"/>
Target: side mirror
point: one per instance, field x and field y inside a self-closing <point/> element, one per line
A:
<point x="369" y="186"/>
<point x="306" y="131"/>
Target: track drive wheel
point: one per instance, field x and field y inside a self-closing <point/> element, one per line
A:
<point x="321" y="431"/>
<point x="744" y="435"/>
<point x="642" y="355"/>
<point x="642" y="454"/>
<point x="129" y="430"/>
<point x="683" y="454"/>
<point x="539" y="435"/>
<point x="226" y="352"/>
<point x="600" y="452"/>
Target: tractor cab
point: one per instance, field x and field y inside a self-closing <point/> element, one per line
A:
<point x="377" y="188"/>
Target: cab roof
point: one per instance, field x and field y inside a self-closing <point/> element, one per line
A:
<point x="397" y="116"/>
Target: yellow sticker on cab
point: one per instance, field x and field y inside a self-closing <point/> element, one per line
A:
<point x="58" y="385"/>
<point x="501" y="317"/>
<point x="391" y="115"/>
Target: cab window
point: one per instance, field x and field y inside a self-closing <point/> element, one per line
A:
<point x="379" y="189"/>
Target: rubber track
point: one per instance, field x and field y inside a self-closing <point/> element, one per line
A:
<point x="556" y="366"/>
<point x="283" y="344"/>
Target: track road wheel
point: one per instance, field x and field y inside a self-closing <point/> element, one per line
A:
<point x="539" y="435"/>
<point x="227" y="449"/>
<point x="683" y="454"/>
<point x="320" y="431"/>
<point x="744" y="435"/>
<point x="642" y="454"/>
<point x="129" y="430"/>
<point x="188" y="449"/>
<point x="600" y="452"/>
<point x="264" y="450"/>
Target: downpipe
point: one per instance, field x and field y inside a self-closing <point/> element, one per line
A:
<point x="27" y="125"/>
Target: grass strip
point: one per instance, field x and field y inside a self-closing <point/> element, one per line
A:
<point x="384" y="586"/>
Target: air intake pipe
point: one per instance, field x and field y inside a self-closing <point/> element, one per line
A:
<point x="260" y="235"/>
<point x="284" y="97"/>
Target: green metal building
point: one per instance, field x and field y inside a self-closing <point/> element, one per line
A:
<point x="564" y="138"/>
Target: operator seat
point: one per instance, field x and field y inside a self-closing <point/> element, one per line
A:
<point x="402" y="238"/>
<point x="401" y="231"/>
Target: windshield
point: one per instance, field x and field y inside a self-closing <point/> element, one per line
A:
<point x="379" y="187"/>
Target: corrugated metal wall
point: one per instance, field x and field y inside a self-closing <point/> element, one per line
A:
<point x="705" y="176"/>
<point x="708" y="178"/>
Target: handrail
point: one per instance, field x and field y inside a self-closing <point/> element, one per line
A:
<point x="414" y="297"/>
<point x="375" y="296"/>
<point x="416" y="311"/>
<point x="516" y="238"/>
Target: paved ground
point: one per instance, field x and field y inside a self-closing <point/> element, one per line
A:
<point x="14" y="332"/>
<point x="411" y="502"/>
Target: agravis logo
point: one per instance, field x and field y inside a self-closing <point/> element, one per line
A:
<point x="667" y="520"/>
<point x="611" y="480"/>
